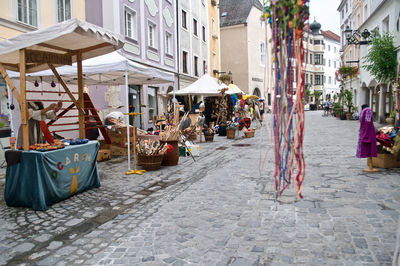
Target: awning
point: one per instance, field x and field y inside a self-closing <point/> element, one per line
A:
<point x="234" y="89"/>
<point x="106" y="69"/>
<point x="60" y="43"/>
<point x="206" y="86"/>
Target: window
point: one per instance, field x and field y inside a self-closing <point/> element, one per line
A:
<point x="152" y="102"/>
<point x="317" y="59"/>
<point x="168" y="43"/>
<point x="151" y="35"/>
<point x="329" y="48"/>
<point x="64" y="10"/>
<point x="195" y="27"/>
<point x="334" y="49"/>
<point x="204" y="67"/>
<point x="184" y="62"/>
<point x="311" y="58"/>
<point x="184" y="19"/>
<point x="213" y="26"/>
<point x="204" y="33"/>
<point x="335" y="81"/>
<point x="317" y="42"/>
<point x="196" y="66"/>
<point x="329" y="63"/>
<point x="262" y="53"/>
<point x="324" y="80"/>
<point x="310" y="41"/>
<point x="365" y="12"/>
<point x="311" y="79"/>
<point x="330" y="80"/>
<point x="346" y="8"/>
<point x="342" y="13"/>
<point x="385" y="25"/>
<point x="27" y="12"/>
<point x="334" y="64"/>
<point x="317" y="80"/>
<point x="306" y="78"/>
<point x="214" y="61"/>
<point x="130" y="24"/>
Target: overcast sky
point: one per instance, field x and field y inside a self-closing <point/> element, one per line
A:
<point x="325" y="12"/>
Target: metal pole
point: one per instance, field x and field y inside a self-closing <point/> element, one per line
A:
<point x="127" y="119"/>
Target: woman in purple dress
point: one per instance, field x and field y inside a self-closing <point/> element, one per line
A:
<point x="367" y="138"/>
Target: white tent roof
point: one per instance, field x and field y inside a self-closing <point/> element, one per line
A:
<point x="206" y="86"/>
<point x="106" y="69"/>
<point x="63" y="38"/>
<point x="234" y="89"/>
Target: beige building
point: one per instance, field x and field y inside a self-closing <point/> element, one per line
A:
<point x="214" y="38"/>
<point x="20" y="16"/>
<point x="243" y="46"/>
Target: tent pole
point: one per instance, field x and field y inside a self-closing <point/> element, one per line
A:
<point x="127" y="120"/>
<point x="24" y="106"/>
<point x="80" y="92"/>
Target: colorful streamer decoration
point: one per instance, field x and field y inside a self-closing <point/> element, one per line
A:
<point x="287" y="19"/>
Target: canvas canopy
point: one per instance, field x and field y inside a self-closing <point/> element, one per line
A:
<point x="60" y="41"/>
<point x="109" y="69"/>
<point x="234" y="89"/>
<point x="204" y="86"/>
<point x="61" y="44"/>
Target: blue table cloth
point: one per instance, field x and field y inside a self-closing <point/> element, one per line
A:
<point x="44" y="178"/>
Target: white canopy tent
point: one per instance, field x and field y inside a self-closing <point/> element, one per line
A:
<point x="61" y="44"/>
<point x="204" y="86"/>
<point x="108" y="69"/>
<point x="234" y="89"/>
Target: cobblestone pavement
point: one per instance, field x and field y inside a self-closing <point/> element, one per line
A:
<point x="220" y="210"/>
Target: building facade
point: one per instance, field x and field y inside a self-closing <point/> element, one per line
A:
<point x="381" y="16"/>
<point x="244" y="46"/>
<point x="331" y="64"/>
<point x="193" y="40"/>
<point x="214" y="59"/>
<point x="150" y="31"/>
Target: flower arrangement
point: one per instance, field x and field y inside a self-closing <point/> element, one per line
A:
<point x="348" y="71"/>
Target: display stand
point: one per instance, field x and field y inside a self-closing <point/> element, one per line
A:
<point x="370" y="169"/>
<point x="134" y="171"/>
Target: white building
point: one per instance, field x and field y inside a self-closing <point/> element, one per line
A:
<point x="331" y="63"/>
<point x="193" y="40"/>
<point x="382" y="16"/>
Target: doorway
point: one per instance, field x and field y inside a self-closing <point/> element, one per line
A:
<point x="134" y="105"/>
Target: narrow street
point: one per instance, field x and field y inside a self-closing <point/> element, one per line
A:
<point x="220" y="210"/>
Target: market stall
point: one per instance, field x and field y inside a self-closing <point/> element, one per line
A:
<point x="38" y="179"/>
<point x="47" y="49"/>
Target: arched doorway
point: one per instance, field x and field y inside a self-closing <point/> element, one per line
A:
<point x="257" y="92"/>
<point x="374" y="98"/>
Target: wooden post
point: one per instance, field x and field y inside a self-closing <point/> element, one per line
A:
<point x="190" y="102"/>
<point x="24" y="106"/>
<point x="10" y="84"/>
<point x="80" y="92"/>
<point x="176" y="113"/>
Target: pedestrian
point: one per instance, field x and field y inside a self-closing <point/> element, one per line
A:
<point x="327" y="106"/>
<point x="37" y="113"/>
<point x="367" y="138"/>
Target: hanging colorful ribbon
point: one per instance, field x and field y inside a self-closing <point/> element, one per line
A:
<point x="287" y="19"/>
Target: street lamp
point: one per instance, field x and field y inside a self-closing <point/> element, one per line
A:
<point x="352" y="37"/>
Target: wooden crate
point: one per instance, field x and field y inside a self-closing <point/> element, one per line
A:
<point x="118" y="151"/>
<point x="385" y="161"/>
<point x="103" y="155"/>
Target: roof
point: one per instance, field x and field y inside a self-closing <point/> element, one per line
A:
<point x="60" y="44"/>
<point x="331" y="35"/>
<point x="236" y="12"/>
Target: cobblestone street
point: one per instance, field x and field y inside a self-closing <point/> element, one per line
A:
<point x="220" y="210"/>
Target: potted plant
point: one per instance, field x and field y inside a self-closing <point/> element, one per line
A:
<point x="208" y="133"/>
<point x="348" y="98"/>
<point x="337" y="109"/>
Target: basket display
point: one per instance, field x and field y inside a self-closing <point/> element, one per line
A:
<point x="150" y="162"/>
<point x="209" y="137"/>
<point x="230" y="133"/>
<point x="249" y="134"/>
<point x="192" y="136"/>
<point x="171" y="158"/>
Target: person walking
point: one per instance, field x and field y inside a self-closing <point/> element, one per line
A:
<point x="367" y="138"/>
<point x="327" y="106"/>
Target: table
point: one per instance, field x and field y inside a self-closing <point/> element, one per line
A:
<point x="41" y="179"/>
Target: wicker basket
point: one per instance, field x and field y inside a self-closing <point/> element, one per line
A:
<point x="209" y="137"/>
<point x="249" y="134"/>
<point x="150" y="162"/>
<point x="171" y="158"/>
<point x="230" y="133"/>
<point x="192" y="136"/>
